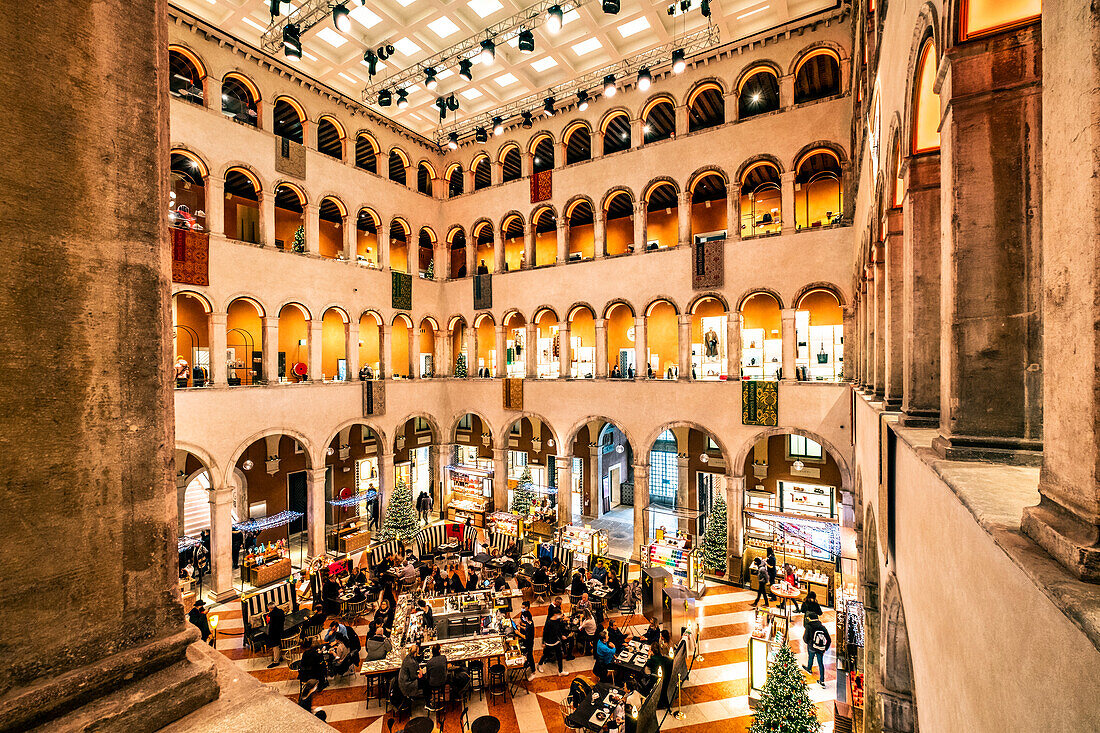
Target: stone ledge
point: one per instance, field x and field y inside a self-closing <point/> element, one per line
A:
<point x="996" y="495"/>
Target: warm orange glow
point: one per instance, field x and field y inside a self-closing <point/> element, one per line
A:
<point x="926" y="116"/>
<point x="987" y="16"/>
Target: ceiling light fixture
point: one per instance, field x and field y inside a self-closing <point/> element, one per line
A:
<point x="292" y="41"/>
<point x="480" y="135"/>
<point x="548" y="106"/>
<point x="429" y="78"/>
<point x="582" y="100"/>
<point x="526" y="116"/>
<point x="341" y="18"/>
<point x="645" y="79"/>
<point x="498" y="126"/>
<point x="385" y="98"/>
<point x="678" y="61"/>
<point x="755" y="98"/>
<point x="452" y="141"/>
<point x="488" y="52"/>
<point x="611" y="7"/>
<point x="402" y="99"/>
<point x="385" y="51"/>
<point x="452" y="103"/>
<point x="371" y="61"/>
<point x="526" y="41"/>
<point x="705" y="8"/>
<point x="609" y="86"/>
<point x="465" y="69"/>
<point x="275" y="10"/>
<point x="554" y="18"/>
<point x="798" y="465"/>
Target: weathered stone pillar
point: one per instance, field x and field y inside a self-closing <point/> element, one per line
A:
<point x="315" y="511"/>
<point x="786" y="91"/>
<point x="920" y="405"/>
<point x="351" y="348"/>
<point x="894" y="311"/>
<point x="683" y="343"/>
<point x="733" y="221"/>
<point x="559" y="155"/>
<point x="640" y="360"/>
<point x="851" y="345"/>
<point x="733" y="346"/>
<point x="446" y="369"/>
<point x="639" y="227"/>
<point x="683" y="212"/>
<point x="315" y="331"/>
<point x="348" y="230"/>
<point x="879" y="265"/>
<point x="563" y="240"/>
<point x="786" y="198"/>
<point x="498" y="251"/>
<point x="599" y="235"/>
<point x="732" y="106"/>
<point x="681" y="120"/>
<point x="471" y="352"/>
<point x="215" y="203"/>
<point x="790" y="343"/>
<point x="94" y="627"/>
<point x="385" y="350"/>
<point x="595" y="487"/>
<point x="267" y="218"/>
<point x="735" y="527"/>
<point x="1067" y="520"/>
<point x="637" y="134"/>
<point x="532" y="351"/>
<point x="500" y="480"/>
<point x="312" y="215"/>
<point x="526" y="164"/>
<point x="496" y="172"/>
<point x="271" y="349"/>
<point x="565" y="489"/>
<point x="501" y="349"/>
<point x="565" y="352"/>
<point x="991" y="355"/>
<point x="218" y="348"/>
<point x="384" y="244"/>
<point x="443" y="459"/>
<point x="221" y="543"/>
<point x="471" y="258"/>
<point x="597" y="144"/>
<point x="529" y="246"/>
<point x="601" y="348"/>
<point x="641" y="508"/>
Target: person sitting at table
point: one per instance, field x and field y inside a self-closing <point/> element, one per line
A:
<point x="382" y="566"/>
<point x="614" y="592"/>
<point x="615" y="635"/>
<point x="427" y="617"/>
<point x="336" y="631"/>
<point x="358" y="577"/>
<point x="653" y="632"/>
<point x="311" y="667"/>
<point x="659" y="661"/>
<point x="378" y="645"/>
<point x="408" y="676"/>
<point x="457" y="583"/>
<point x="586" y="633"/>
<point x="330" y="595"/>
<point x="604" y="655"/>
<point x="439" y="582"/>
<point x="345" y="653"/>
<point x="384" y="615"/>
<point x="541" y="577"/>
<point x="600" y="572"/>
<point x="578" y="585"/>
<point x="665" y="643"/>
<point x="583" y="605"/>
<point x="435" y="676"/>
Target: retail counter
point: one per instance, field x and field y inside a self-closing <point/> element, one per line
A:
<point x="269" y="572"/>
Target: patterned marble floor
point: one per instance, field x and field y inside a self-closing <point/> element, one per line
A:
<point x="715" y="698"/>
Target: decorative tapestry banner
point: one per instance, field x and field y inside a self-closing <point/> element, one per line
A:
<point x="760" y="403"/>
<point x="374" y="397"/>
<point x="513" y="394"/>
<point x="542" y="186"/>
<point x="707" y="265"/>
<point x="402" y="291"/>
<point x="483" y="292"/>
<point x="190" y="257"/>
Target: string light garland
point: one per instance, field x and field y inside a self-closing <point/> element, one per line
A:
<point x="269" y="522"/>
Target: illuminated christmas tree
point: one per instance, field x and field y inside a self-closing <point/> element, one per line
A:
<point x="785" y="705"/>
<point x="400" y="522"/>
<point x="460" y="366"/>
<point x="524" y="494"/>
<point x="715" y="549"/>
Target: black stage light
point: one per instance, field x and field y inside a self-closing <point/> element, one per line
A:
<point x="292" y="41"/>
<point x="385" y="98"/>
<point x="465" y="69"/>
<point x="526" y="41"/>
<point x="480" y="135"/>
<point x="526" y="117"/>
<point x="611" y="7"/>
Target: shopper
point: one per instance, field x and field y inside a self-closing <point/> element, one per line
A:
<point x="527" y="636"/>
<point x="604" y="655"/>
<point x="311" y="667"/>
<point x="763" y="581"/>
<point x="818" y="641"/>
<point x="772" y="572"/>
<point x="197" y="616"/>
<point x="653" y="633"/>
<point x="552" y="634"/>
<point x="276" y="618"/>
<point x="810" y="606"/>
<point x="424" y="506"/>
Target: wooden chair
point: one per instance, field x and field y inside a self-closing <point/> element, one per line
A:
<point x="541" y="592"/>
<point x="566" y="710"/>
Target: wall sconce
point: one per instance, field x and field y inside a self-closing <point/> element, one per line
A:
<point x="247" y="465"/>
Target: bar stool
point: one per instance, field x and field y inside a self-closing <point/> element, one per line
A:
<point x="498" y="684"/>
<point x="437" y="699"/>
<point x="477" y="680"/>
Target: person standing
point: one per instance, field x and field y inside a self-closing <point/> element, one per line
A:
<point x="772" y="571"/>
<point x="761" y="571"/>
<point x="197" y="616"/>
<point x="527" y="636"/>
<point x="423" y="506"/>
<point x="818" y="641"/>
<point x="604" y="655"/>
<point x="552" y="634"/>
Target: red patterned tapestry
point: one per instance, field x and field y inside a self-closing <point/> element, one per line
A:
<point x="190" y="257"/>
<point x="541" y="186"/>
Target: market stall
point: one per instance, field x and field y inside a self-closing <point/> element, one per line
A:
<point x="583" y="541"/>
<point x="471" y="494"/>
<point x="769" y="633"/>
<point x="810" y="546"/>
<point x="351" y="534"/>
<point x="680" y="558"/>
<point x="267" y="563"/>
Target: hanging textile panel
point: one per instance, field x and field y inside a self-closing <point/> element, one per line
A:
<point x="707" y="265"/>
<point x="542" y="186"/>
<point x="483" y="292"/>
<point x="760" y="403"/>
<point x="402" y="290"/>
<point x="513" y="393"/>
<point x="190" y="257"/>
<point x="374" y="397"/>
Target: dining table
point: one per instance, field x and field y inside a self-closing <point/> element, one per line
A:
<point x="596" y="710"/>
<point x="631" y="658"/>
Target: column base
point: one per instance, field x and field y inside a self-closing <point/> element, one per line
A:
<point x="223" y="596"/>
<point x="893" y="404"/>
<point x="141" y="689"/>
<point x="1010" y="451"/>
<point x="1066" y="538"/>
<point x="919" y="419"/>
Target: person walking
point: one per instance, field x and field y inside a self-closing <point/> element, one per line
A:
<point x="818" y="641"/>
<point x="423" y="506"/>
<point x="552" y="634"/>
<point x="527" y="636"/>
<point x="761" y="582"/>
<point x="773" y="572"/>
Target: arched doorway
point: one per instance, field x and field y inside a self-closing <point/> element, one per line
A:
<point x="515" y="344"/>
<point x="687" y="475"/>
<point x="582" y="343"/>
<point x="547" y="345"/>
<point x="819" y="326"/>
<point x="191" y="331"/>
<point x="370" y="345"/>
<point x="469" y="472"/>
<point x="761" y="337"/>
<point x="532" y="461"/>
<point x="603" y="479"/>
<point x="353" y="498"/>
<point x="415" y="459"/>
<point x="621" y="348"/>
<point x="244" y="337"/>
<point x="662" y="341"/>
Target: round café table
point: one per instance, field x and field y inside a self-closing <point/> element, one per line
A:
<point x="787" y="593"/>
<point x="420" y="724"/>
<point x="485" y="724"/>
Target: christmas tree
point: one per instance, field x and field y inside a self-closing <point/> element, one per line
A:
<point x="715" y="552"/>
<point x="524" y="495"/>
<point x="401" y="522"/>
<point x="785" y="705"/>
<point x="299" y="244"/>
<point x="460" y="366"/>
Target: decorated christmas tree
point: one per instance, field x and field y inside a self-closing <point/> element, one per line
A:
<point x="715" y="552"/>
<point x="524" y="495"/>
<point x="460" y="366"/>
<point x="400" y="522"/>
<point x="299" y="243"/>
<point x="785" y="705"/>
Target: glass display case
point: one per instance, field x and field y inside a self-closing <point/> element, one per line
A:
<point x="583" y="541"/>
<point x="680" y="559"/>
<point x="761" y="354"/>
<point x="584" y="359"/>
<point x="769" y="633"/>
<point x="471" y="491"/>
<point x="708" y="358"/>
<point x="820" y="349"/>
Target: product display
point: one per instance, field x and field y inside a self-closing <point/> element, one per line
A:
<point x="506" y="523"/>
<point x="676" y="555"/>
<point x="470" y="491"/>
<point x="583" y="541"/>
<point x="769" y="633"/>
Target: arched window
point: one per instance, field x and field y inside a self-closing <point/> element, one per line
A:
<point x="330" y="138"/>
<point x="483" y="173"/>
<point x="664" y="470"/>
<point x="546" y="237"/>
<point x="926" y="112"/>
<point x="289" y="217"/>
<point x="512" y="167"/>
<point x="817" y="77"/>
<point x="242" y="207"/>
<point x="819" y="326"/>
<point x="759" y="94"/>
<point x="187" y="198"/>
<point x="244" y="342"/>
<point x="424" y="176"/>
<point x="485" y="254"/>
<point x="981" y="17"/>
<point x="544" y="155"/>
<point x="397" y="167"/>
<point x="707" y="108"/>
<point x="458" y="254"/>
<point x="818" y="195"/>
<point x="185" y="76"/>
<point x="426" y="253"/>
<point x="761" y="201"/>
<point x="330" y="228"/>
<point x="708" y="338"/>
<point x="659" y="122"/>
<point x="239" y="100"/>
<point x="662" y="217"/>
<point x="399" y="246"/>
<point x="455" y="181"/>
<point x="662" y="341"/>
<point x="581" y="231"/>
<point x="619" y="224"/>
<point x="761" y="337"/>
<point x="578" y="145"/>
<point x="366" y="238"/>
<point x="708" y="208"/>
<point x="366" y="154"/>
<point x="616" y="133"/>
<point x="513" y="243"/>
<point x="288" y="120"/>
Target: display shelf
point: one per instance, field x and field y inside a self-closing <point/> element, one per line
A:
<point x="769" y="633"/>
<point x="583" y="540"/>
<point x="812" y="500"/>
<point x="507" y="523"/>
<point x="676" y="555"/>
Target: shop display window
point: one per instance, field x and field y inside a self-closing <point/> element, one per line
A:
<point x="761" y="353"/>
<point x="708" y="359"/>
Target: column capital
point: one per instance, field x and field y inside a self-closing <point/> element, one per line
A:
<point x="218" y="317"/>
<point x="600" y="322"/>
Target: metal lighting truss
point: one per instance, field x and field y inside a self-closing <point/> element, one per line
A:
<point x="307" y="15"/>
<point x="499" y="33"/>
<point x="691" y="44"/>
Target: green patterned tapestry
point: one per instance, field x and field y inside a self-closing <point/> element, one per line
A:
<point x="402" y="291"/>
<point x="760" y="403"/>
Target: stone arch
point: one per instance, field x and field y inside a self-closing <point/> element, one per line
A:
<point x="618" y="301"/>
<point x="652" y="438"/>
<point x="480" y="415"/>
<point x="541" y="208"/>
<point x="655" y="181"/>
<point x="612" y="193"/>
<point x="254" y="300"/>
<point x="537" y="138"/>
<point x="757" y="159"/>
<point x="927" y="26"/>
<point x="375" y="314"/>
<point x="842" y="462"/>
<point x="512" y="312"/>
<point x="573" y="202"/>
<point x="818" y="285"/>
<point x="897" y="691"/>
<point x="653" y="101"/>
<point x="572" y="127"/>
<point x="353" y="422"/>
<point x="433" y="425"/>
<point x="543" y="309"/>
<point x="829" y="145"/>
<point x="702" y="172"/>
<point x="753" y="291"/>
<point x="533" y="416"/>
<point x="835" y="49"/>
<point x="340" y="310"/>
<point x="207" y="306"/>
<point x="297" y="188"/>
<point x="505" y="148"/>
<point x="704" y="296"/>
<point x="755" y="67"/>
<point x="191" y="55"/>
<point x="480" y="318"/>
<point x="611" y="114"/>
<point x="657" y="299"/>
<point x="575" y="430"/>
<point x="204" y="457"/>
<point x="577" y="306"/>
<point x="297" y="303"/>
<point x="247" y="171"/>
<point x="189" y="152"/>
<point x="702" y="85"/>
<point x="312" y="459"/>
<point x="504" y="220"/>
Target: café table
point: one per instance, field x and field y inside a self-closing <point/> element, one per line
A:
<point x="584" y="717"/>
<point x="631" y="659"/>
<point x="419" y="724"/>
<point x="486" y="724"/>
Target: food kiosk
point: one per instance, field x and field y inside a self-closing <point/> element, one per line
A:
<point x="471" y="493"/>
<point x="769" y="632"/>
<point x="584" y="541"/>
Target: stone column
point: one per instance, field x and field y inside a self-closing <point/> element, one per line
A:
<point x="221" y="543"/>
<point x="312" y="215"/>
<point x="599" y="235"/>
<point x="471" y="352"/>
<point x="894" y="310"/>
<point x="851" y="345"/>
<point x="385" y="481"/>
<point x="601" y="348"/>
<point x="733" y="346"/>
<point x="597" y="144"/>
<point x="88" y="487"/>
<point x="790" y="344"/>
<point x="683" y="343"/>
<point x="565" y="489"/>
<point x="498" y="251"/>
<point x="501" y="350"/>
<point x="732" y="106"/>
<point x="267" y="219"/>
<point x="447" y="367"/>
<point x="879" y="265"/>
<point x="639" y="227"/>
<point x="439" y="341"/>
<point x="681" y="120"/>
<point x="467" y="180"/>
<point x="868" y="343"/>
<point x="531" y="354"/>
<point x="526" y="166"/>
<point x="384" y="243"/>
<point x="641" y="508"/>
<point x="559" y="155"/>
<point x="637" y="133"/>
<point x="443" y="457"/>
<point x="500" y="480"/>
<point x="1067" y="520"/>
<point x="351" y="348"/>
<point x="496" y="173"/>
<point x="315" y="374"/>
<point x="735" y="524"/>
<point x="315" y="511"/>
<point x="271" y="349"/>
<point x="565" y="352"/>
<point x="786" y="197"/>
<point x="215" y="203"/>
<point x="683" y="213"/>
<point x="991" y="354"/>
<point x="640" y="360"/>
<point x="563" y="241"/>
<point x="385" y="350"/>
<point x="348" y="230"/>
<point x="595" y="485"/>
<point x="414" y="352"/>
<point x="218" y="347"/>
<point x="685" y="494"/>
<point x="529" y="246"/>
<point x="920" y="405"/>
<point x="471" y="258"/>
<point x="786" y="91"/>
